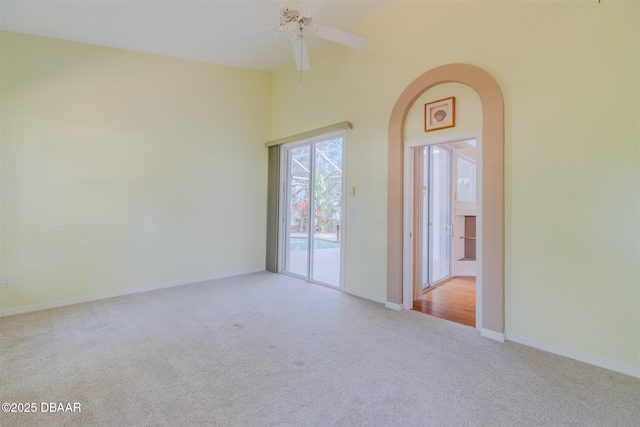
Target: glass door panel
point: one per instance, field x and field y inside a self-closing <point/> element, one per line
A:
<point x="424" y="211"/>
<point x="298" y="189"/>
<point x="436" y="211"/>
<point x="325" y="265"/>
<point x="440" y="215"/>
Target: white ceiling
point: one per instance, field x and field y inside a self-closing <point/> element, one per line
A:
<point x="198" y="30"/>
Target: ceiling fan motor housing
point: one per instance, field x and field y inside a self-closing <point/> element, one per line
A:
<point x="293" y="21"/>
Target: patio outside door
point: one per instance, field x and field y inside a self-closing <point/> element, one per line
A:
<point x="312" y="216"/>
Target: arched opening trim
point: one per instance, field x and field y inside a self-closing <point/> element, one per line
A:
<point x="492" y="263"/>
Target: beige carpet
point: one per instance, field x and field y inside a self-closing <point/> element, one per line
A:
<point x="269" y="350"/>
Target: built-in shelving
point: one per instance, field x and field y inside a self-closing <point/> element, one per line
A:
<point x="469" y="237"/>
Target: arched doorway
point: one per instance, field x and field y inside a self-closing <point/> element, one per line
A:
<point x="491" y="268"/>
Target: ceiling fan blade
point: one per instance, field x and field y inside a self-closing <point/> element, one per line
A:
<point x="276" y="5"/>
<point x="300" y="53"/>
<point x="339" y="36"/>
<point x="308" y="8"/>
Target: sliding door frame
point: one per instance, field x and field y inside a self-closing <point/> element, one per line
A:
<point x="284" y="205"/>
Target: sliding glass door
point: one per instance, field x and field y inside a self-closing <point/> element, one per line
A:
<point x="298" y="190"/>
<point x="440" y="215"/>
<point x="436" y="215"/>
<point x="313" y="213"/>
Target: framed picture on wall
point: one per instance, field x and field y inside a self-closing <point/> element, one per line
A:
<point x="440" y="114"/>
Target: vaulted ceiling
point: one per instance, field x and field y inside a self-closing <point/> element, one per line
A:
<point x="210" y="31"/>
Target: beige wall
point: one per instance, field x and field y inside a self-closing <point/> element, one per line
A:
<point x="568" y="72"/>
<point x="123" y="170"/>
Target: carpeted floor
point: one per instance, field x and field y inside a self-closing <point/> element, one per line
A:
<point x="269" y="350"/>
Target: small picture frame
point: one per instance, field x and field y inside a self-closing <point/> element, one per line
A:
<point x="440" y="114"/>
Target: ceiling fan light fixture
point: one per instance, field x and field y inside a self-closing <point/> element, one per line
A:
<point x="294" y="28"/>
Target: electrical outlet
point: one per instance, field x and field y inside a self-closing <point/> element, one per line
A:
<point x="7" y="282"/>
<point x="368" y="272"/>
<point x="243" y="254"/>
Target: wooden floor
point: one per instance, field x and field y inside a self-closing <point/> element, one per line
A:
<point x="454" y="300"/>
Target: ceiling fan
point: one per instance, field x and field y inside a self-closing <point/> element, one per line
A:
<point x="296" y="19"/>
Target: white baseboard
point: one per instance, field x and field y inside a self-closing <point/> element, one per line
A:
<point x="633" y="371"/>
<point x="364" y="295"/>
<point x="370" y="297"/>
<point x="493" y="335"/>
<point x="393" y="306"/>
<point x="89" y="298"/>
